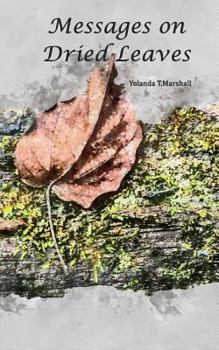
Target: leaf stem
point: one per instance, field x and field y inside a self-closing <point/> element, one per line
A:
<point x="48" y="203"/>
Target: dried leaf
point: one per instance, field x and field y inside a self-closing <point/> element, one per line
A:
<point x="87" y="144"/>
<point x="106" y="178"/>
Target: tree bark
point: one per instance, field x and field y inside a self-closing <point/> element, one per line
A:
<point x="158" y="236"/>
<point x="156" y="247"/>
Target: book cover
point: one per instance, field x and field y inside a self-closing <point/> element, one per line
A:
<point x="109" y="175"/>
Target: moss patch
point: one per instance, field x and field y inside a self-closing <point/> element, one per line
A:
<point x="179" y="171"/>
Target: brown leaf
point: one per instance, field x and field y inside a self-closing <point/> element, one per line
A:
<point x="98" y="84"/>
<point x="82" y="143"/>
<point x="55" y="143"/>
<point x="106" y="178"/>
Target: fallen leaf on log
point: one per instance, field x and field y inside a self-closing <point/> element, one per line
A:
<point x="84" y="146"/>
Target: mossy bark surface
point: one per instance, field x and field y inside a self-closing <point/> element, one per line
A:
<point x="159" y="231"/>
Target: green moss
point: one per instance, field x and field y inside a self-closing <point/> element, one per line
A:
<point x="179" y="171"/>
<point x="6" y="144"/>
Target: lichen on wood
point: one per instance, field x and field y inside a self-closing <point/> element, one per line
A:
<point x="158" y="231"/>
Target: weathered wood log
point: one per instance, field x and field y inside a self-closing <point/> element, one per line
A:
<point x="148" y="236"/>
<point x="27" y="277"/>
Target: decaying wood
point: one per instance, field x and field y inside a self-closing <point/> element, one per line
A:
<point x="27" y="277"/>
<point x="158" y="236"/>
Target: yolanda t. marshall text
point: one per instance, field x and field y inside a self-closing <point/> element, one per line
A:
<point x="178" y="83"/>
